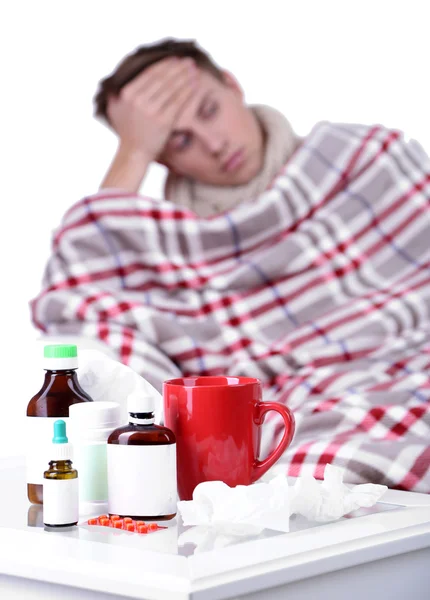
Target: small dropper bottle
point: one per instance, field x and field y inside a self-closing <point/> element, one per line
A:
<point x="142" y="465"/>
<point x="60" y="483"/>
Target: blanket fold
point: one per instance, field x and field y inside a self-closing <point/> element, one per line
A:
<point x="320" y="288"/>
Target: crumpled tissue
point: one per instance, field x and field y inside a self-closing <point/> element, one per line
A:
<point x="220" y="514"/>
<point x="104" y="378"/>
<point x="331" y="499"/>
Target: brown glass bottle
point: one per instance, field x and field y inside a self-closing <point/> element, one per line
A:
<point x="60" y="390"/>
<point x="141" y="431"/>
<point x="60" y="470"/>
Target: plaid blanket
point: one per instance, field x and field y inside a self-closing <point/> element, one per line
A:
<point x="320" y="288"/>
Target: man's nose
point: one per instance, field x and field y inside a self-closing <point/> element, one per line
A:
<point x="214" y="141"/>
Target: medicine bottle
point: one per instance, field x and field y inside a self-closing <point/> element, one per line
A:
<point x="60" y="483"/>
<point x="60" y="390"/>
<point x="90" y="425"/>
<point x="142" y="465"/>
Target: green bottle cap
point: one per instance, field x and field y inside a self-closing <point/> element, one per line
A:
<point x="60" y="436"/>
<point x="60" y="351"/>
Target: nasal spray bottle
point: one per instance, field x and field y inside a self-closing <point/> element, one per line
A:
<point x="60" y="483"/>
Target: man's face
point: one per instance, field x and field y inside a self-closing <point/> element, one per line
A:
<point x="216" y="139"/>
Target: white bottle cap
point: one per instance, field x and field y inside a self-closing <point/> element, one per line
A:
<point x="95" y="415"/>
<point x="140" y="402"/>
<point x="62" y="452"/>
<point x="94" y="420"/>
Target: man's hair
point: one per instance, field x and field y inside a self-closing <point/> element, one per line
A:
<point x="142" y="58"/>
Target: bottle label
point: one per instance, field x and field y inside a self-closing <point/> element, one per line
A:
<point x="40" y="431"/>
<point x="60" y="501"/>
<point x="90" y="460"/>
<point x="142" y="480"/>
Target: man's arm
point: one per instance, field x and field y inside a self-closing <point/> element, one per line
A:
<point x="127" y="170"/>
<point x="143" y="116"/>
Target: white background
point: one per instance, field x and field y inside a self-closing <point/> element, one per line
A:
<point x="344" y="61"/>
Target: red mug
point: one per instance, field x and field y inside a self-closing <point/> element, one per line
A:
<point x="217" y="422"/>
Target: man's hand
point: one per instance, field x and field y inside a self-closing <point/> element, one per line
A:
<point x="143" y="116"/>
<point x="144" y="113"/>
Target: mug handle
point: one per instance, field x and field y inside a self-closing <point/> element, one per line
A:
<point x="261" y="466"/>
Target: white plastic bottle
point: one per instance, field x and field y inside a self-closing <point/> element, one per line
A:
<point x="60" y="483"/>
<point x="142" y="465"/>
<point x="91" y="423"/>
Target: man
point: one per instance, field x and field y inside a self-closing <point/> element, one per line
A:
<point x="170" y="103"/>
<point x="302" y="263"/>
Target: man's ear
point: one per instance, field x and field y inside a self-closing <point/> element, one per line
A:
<point x="230" y="81"/>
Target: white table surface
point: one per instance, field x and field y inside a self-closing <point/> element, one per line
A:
<point x="379" y="553"/>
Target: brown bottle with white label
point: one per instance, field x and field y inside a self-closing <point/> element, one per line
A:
<point x="60" y="390"/>
<point x="142" y="465"/>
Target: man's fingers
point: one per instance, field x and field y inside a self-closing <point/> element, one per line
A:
<point x="176" y="103"/>
<point x="158" y="72"/>
<point x="170" y="80"/>
<point x="150" y="74"/>
<point x="162" y="90"/>
<point x="168" y="94"/>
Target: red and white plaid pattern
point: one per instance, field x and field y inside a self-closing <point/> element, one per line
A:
<point x="320" y="288"/>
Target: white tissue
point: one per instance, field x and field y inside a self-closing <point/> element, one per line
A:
<point x="242" y="510"/>
<point x="109" y="380"/>
<point x="331" y="499"/>
<point x="219" y="514"/>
